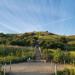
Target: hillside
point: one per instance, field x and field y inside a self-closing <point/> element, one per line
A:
<point x="27" y="39"/>
<point x="19" y="47"/>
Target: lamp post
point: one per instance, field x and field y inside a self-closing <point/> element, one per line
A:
<point x="55" y="69"/>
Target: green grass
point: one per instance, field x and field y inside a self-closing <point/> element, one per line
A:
<point x="72" y="53"/>
<point x="67" y="72"/>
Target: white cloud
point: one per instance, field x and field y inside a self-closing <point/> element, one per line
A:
<point x="60" y="20"/>
<point x="9" y="27"/>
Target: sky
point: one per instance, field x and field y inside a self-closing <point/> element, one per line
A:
<point x="19" y="16"/>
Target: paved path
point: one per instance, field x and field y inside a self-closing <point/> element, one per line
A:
<point x="29" y="73"/>
<point x="34" y="68"/>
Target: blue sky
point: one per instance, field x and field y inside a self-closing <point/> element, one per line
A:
<point x="19" y="16"/>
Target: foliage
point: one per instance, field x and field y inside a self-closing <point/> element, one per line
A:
<point x="66" y="72"/>
<point x="19" y="47"/>
<point x="57" y="55"/>
<point x="26" y="39"/>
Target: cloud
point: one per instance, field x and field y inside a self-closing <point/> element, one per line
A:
<point x="34" y="15"/>
<point x="60" y="20"/>
<point x="9" y="27"/>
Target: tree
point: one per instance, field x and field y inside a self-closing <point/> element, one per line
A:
<point x="57" y="55"/>
<point x="64" y="40"/>
<point x="18" y="42"/>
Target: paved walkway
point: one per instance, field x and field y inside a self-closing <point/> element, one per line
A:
<point x="34" y="68"/>
<point x="29" y="73"/>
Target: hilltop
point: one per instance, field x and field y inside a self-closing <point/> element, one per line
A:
<point x="26" y="39"/>
<point x="19" y="47"/>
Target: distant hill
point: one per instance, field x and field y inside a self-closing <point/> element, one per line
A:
<point x="26" y="39"/>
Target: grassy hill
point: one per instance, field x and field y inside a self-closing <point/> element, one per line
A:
<point x="26" y="39"/>
<point x="19" y="47"/>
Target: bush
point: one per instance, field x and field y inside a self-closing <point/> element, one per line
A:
<point x="66" y="72"/>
